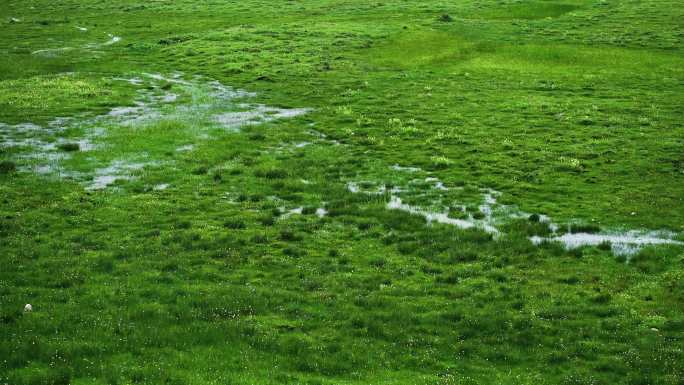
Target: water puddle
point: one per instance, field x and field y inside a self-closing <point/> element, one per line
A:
<point x="437" y="211"/>
<point x="294" y="211"/>
<point x="322" y="137"/>
<point x="37" y="142"/>
<point x="397" y="167"/>
<point x="440" y="206"/>
<point x="198" y="105"/>
<point x="52" y="52"/>
<point x="366" y="188"/>
<point x="439" y="185"/>
<point x="136" y="81"/>
<point x="395" y="203"/>
<point x="256" y="114"/>
<point x="117" y="170"/>
<point x="185" y="148"/>
<point x="113" y="40"/>
<point x="292" y="146"/>
<point x="320" y="212"/>
<point x="626" y="243"/>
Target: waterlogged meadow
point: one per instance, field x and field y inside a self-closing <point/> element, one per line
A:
<point x="341" y="192"/>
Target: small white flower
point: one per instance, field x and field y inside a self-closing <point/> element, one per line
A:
<point x="28" y="307"/>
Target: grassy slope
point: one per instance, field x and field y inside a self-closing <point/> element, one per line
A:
<point x="572" y="109"/>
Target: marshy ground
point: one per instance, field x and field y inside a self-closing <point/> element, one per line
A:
<point x="341" y="192"/>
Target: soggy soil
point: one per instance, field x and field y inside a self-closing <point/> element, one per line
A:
<point x="491" y="215"/>
<point x="199" y="103"/>
<point x="52" y="52"/>
<point x="625" y="243"/>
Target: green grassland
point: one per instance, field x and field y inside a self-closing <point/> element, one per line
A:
<point x="208" y="262"/>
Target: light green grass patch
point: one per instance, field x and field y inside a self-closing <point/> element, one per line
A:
<point x="40" y="98"/>
<point x="560" y="58"/>
<point x="450" y="50"/>
<point x="530" y="10"/>
<point x="422" y="48"/>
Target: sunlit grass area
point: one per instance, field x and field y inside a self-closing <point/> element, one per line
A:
<point x="41" y="98"/>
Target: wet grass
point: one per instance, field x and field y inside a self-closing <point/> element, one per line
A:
<point x="206" y="260"/>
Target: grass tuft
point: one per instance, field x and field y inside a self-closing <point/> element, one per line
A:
<point x="7" y="167"/>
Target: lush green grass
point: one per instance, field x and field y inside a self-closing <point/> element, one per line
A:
<point x="571" y="109"/>
<point x="40" y="98"/>
<point x="528" y="10"/>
